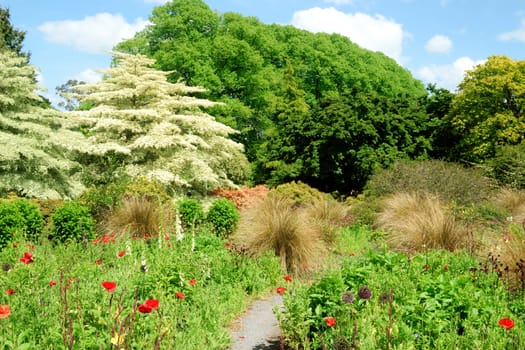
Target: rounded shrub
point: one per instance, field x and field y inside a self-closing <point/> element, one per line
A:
<point x="72" y="222"/>
<point x="223" y="216"/>
<point x="300" y="193"/>
<point x="33" y="220"/>
<point x="191" y="211"/>
<point x="11" y="222"/>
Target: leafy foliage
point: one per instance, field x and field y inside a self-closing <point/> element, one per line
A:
<point x="152" y="128"/>
<point x="72" y="222"/>
<point x="508" y="166"/>
<point x="33" y="220"/>
<point x="11" y="222"/>
<point x="223" y="216"/>
<point x="488" y="109"/>
<point x="292" y="94"/>
<point x="10" y="38"/>
<point x="243" y="197"/>
<point x="191" y="211"/>
<point x="299" y="193"/>
<point x="35" y="148"/>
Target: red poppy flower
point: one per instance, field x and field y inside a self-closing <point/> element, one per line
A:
<point x="152" y="303"/>
<point x="192" y="282"/>
<point x="52" y="283"/>
<point x="288" y="278"/>
<point x="121" y="253"/>
<point x="96" y="240"/>
<point x="15" y="244"/>
<point x="280" y="290"/>
<point x="27" y="258"/>
<point x="445" y="267"/>
<point x="146" y="236"/>
<point x="109" y="286"/>
<point x="145" y="309"/>
<point x="10" y="292"/>
<point x="330" y="321"/>
<point x="98" y="262"/>
<point x="506" y="323"/>
<point x="4" y="311"/>
<point x="180" y="295"/>
<point x="426" y="267"/>
<point x="169" y="245"/>
<point x="352" y="254"/>
<point x="166" y="238"/>
<point x="228" y="245"/>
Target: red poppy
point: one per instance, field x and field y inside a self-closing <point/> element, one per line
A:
<point x="15" y="244"/>
<point x="281" y="290"/>
<point x="192" y="282"/>
<point x="288" y="278"/>
<point x="146" y="236"/>
<point x="152" y="303"/>
<point x="145" y="309"/>
<point x="52" y="283"/>
<point x="10" y="292"/>
<point x="96" y="240"/>
<point x="180" y="295"/>
<point x="166" y="238"/>
<point x="228" y="245"/>
<point x="506" y="323"/>
<point x="98" y="262"/>
<point x="352" y="254"/>
<point x="330" y="321"/>
<point x="27" y="258"/>
<point x="426" y="267"/>
<point x="4" y="311"/>
<point x="169" y="245"/>
<point x="445" y="267"/>
<point x="121" y="253"/>
<point x="109" y="286"/>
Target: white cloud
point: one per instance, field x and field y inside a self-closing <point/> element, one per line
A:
<point x="375" y="33"/>
<point x="93" y="34"/>
<point x="339" y="2"/>
<point x="449" y="75"/>
<point x="518" y="34"/>
<point x="89" y="76"/>
<point x="439" y="44"/>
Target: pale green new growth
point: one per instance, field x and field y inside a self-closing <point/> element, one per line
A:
<point x="162" y="133"/>
<point x="34" y="149"/>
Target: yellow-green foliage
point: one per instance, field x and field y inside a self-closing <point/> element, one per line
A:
<point x="299" y="192"/>
<point x="151" y="189"/>
<point x="419" y="221"/>
<point x="513" y="202"/>
<point x="277" y="224"/>
<point x="140" y="217"/>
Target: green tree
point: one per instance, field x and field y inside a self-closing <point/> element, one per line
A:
<point x="489" y="107"/>
<point x="442" y="134"/>
<point x="35" y="149"/>
<point x="155" y="129"/>
<point x="10" y="38"/>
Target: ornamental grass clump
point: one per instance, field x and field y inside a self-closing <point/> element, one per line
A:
<point x="141" y="217"/>
<point x="416" y="222"/>
<point x="275" y="224"/>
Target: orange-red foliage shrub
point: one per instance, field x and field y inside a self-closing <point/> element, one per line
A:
<point x="244" y="197"/>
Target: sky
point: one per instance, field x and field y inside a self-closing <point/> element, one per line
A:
<point x="436" y="40"/>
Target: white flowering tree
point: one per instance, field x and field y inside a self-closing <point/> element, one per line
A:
<point x="158" y="129"/>
<point x="35" y="150"/>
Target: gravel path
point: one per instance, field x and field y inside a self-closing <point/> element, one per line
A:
<point x="257" y="328"/>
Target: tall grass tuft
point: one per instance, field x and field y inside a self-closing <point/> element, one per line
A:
<point x="327" y="216"/>
<point x="141" y="217"/>
<point x="276" y="224"/>
<point x="513" y="202"/>
<point x="416" y="222"/>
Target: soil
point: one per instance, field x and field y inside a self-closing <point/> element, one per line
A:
<point x="257" y="328"/>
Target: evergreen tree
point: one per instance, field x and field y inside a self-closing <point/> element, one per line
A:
<point x="10" y="38"/>
<point x="156" y="129"/>
<point x="35" y="150"/>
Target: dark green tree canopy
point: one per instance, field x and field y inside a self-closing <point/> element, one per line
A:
<point x="10" y="38"/>
<point x="291" y="93"/>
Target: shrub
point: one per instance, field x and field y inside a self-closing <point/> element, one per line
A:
<point x="141" y="217"/>
<point x="223" y="216"/>
<point x="150" y="189"/>
<point x="243" y="197"/>
<point x="72" y="222"/>
<point x="508" y="166"/>
<point x="300" y="193"/>
<point x="11" y="222"/>
<point x="419" y="221"/>
<point x="276" y="224"/>
<point x="33" y="220"/>
<point x="103" y="198"/>
<point x="191" y="212"/>
<point x="452" y="182"/>
<point x="513" y="202"/>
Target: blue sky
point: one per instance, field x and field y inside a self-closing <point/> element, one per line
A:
<point x="436" y="40"/>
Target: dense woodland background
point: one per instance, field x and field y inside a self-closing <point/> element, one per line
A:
<point x="307" y="107"/>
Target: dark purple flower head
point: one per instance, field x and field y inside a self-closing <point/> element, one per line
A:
<point x="348" y="297"/>
<point x="364" y="292"/>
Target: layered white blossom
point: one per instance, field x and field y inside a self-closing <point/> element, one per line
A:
<point x="162" y="129"/>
